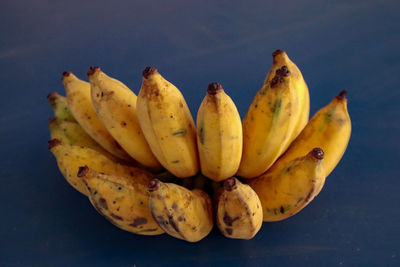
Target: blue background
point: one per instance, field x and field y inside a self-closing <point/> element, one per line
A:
<point x="351" y="45"/>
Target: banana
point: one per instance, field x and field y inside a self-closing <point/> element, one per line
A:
<point x="280" y="58"/>
<point x="288" y="190"/>
<point x="219" y="134"/>
<point x="122" y="200"/>
<point x="71" y="133"/>
<point x="59" y="105"/>
<point x="239" y="212"/>
<point x="269" y="123"/>
<point x="115" y="105"/>
<point x="167" y="124"/>
<point x="80" y="105"/>
<point x="71" y="157"/>
<point x="181" y="213"/>
<point x="329" y="129"/>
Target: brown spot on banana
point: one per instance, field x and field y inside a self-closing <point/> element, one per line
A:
<point x="138" y="221"/>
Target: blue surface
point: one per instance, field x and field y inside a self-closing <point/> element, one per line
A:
<point x="337" y="44"/>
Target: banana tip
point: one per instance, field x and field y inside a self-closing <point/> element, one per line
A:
<point x="153" y="185"/>
<point x="214" y="88"/>
<point x="51" y="97"/>
<point x="52" y="119"/>
<point x="53" y="142"/>
<point x="277" y="52"/>
<point x="83" y="170"/>
<point x="92" y="70"/>
<point x="342" y="95"/>
<point x="318" y="153"/>
<point x="230" y="184"/>
<point x="149" y="71"/>
<point x="65" y="74"/>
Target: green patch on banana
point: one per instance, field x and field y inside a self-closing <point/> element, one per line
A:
<point x="276" y="108"/>
<point x="329" y="115"/>
<point x="200" y="132"/>
<point x="180" y="133"/>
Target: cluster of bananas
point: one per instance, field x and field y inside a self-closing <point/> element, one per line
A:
<point x="147" y="168"/>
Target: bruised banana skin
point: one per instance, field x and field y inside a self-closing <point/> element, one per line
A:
<point x="167" y="124"/>
<point x="80" y="105"/>
<point x="219" y="134"/>
<point x="182" y="213"/>
<point x="59" y="105"/>
<point x="329" y="129"/>
<point x="70" y="158"/>
<point x="115" y="105"/>
<point x="280" y="58"/>
<point x="269" y="124"/>
<point x="122" y="200"/>
<point x="239" y="212"/>
<point x="285" y="192"/>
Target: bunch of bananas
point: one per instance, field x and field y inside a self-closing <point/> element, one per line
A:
<point x="148" y="168"/>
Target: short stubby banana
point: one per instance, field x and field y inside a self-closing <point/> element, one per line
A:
<point x="80" y="105"/>
<point x="71" y="157"/>
<point x="288" y="190"/>
<point x="115" y="105"/>
<point x="167" y="124"/>
<point x="181" y="213"/>
<point x="219" y="134"/>
<point x="59" y="105"/>
<point x="122" y="200"/>
<point x="269" y="124"/>
<point x="280" y="59"/>
<point x="239" y="212"/>
<point x="329" y="129"/>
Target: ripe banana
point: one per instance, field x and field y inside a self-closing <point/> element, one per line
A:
<point x="269" y="123"/>
<point x="280" y="58"/>
<point x="219" y="134"/>
<point x="122" y="200"/>
<point x="288" y="190"/>
<point x="59" y="105"/>
<point x="70" y="158"/>
<point x="167" y="124"/>
<point x="115" y="105"/>
<point x="181" y="213"/>
<point x="80" y="105"/>
<point x="329" y="129"/>
<point x="239" y="212"/>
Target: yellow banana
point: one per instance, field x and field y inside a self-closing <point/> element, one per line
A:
<point x="269" y="124"/>
<point x="80" y="105"/>
<point x="239" y="212"/>
<point x="329" y="129"/>
<point x="280" y="58"/>
<point x="122" y="200"/>
<point x="167" y="124"/>
<point x="288" y="190"/>
<point x="115" y="105"/>
<point x="70" y="158"/>
<point x="181" y="213"/>
<point x="219" y="134"/>
<point x="58" y="104"/>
